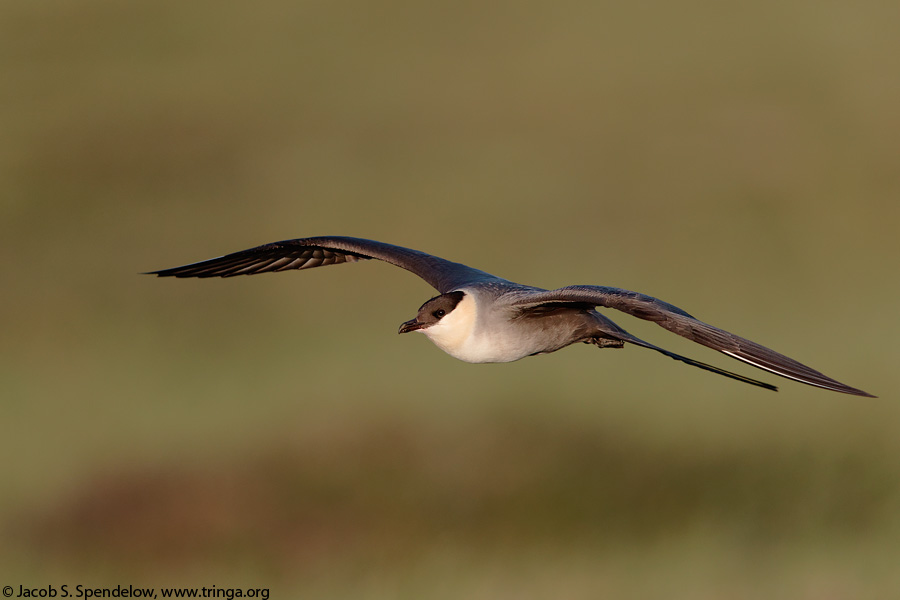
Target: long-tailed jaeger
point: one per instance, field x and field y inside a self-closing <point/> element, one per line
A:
<point x="481" y="318"/>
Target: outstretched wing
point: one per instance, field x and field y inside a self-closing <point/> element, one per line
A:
<point x="307" y="253"/>
<point x="678" y="321"/>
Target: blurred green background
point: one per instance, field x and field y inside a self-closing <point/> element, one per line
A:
<point x="739" y="161"/>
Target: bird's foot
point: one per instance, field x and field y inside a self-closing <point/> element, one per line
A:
<point x="602" y="342"/>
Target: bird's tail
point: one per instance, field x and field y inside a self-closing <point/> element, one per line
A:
<point x="696" y="363"/>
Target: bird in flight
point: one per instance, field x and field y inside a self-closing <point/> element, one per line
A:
<point x="481" y="318"/>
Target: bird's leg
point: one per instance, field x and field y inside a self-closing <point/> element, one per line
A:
<point x="605" y="342"/>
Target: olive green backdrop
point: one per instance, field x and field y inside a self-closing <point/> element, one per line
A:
<point x="738" y="161"/>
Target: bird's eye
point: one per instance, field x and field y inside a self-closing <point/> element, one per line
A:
<point x="439" y="313"/>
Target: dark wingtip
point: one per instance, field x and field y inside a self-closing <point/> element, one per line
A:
<point x="841" y="388"/>
<point x="837" y="386"/>
<point x="180" y="272"/>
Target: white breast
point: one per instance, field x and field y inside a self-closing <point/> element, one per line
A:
<point x="459" y="335"/>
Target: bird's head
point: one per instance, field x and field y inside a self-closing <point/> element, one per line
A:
<point x="433" y="312"/>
